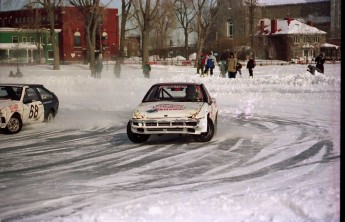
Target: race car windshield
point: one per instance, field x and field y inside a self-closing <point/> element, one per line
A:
<point x="175" y="93"/>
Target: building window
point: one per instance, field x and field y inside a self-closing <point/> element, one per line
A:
<point x="77" y="39"/>
<point x="15" y="39"/>
<point x="317" y="39"/>
<point x="295" y="39"/>
<point x="24" y="39"/>
<point x="305" y="39"/>
<point x="230" y="28"/>
<point x="32" y="40"/>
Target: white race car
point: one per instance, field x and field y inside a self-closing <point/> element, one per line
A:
<point x="22" y="104"/>
<point x="174" y="108"/>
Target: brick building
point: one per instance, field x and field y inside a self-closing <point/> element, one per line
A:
<point x="71" y="38"/>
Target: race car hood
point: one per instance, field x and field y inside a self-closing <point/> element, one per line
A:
<point x="7" y="103"/>
<point x="165" y="109"/>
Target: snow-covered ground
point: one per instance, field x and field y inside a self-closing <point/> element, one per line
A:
<point x="275" y="157"/>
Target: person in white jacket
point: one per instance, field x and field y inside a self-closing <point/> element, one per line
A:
<point x="210" y="63"/>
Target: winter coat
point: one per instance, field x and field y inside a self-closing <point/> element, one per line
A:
<point x="99" y="67"/>
<point x="231" y="65"/>
<point x="250" y="64"/>
<point x="211" y="61"/>
<point x="147" y="68"/>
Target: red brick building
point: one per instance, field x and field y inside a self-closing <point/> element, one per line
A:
<point x="72" y="38"/>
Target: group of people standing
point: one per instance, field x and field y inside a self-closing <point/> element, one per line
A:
<point x="206" y="63"/>
<point x="230" y="65"/>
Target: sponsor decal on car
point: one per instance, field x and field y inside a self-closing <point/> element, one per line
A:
<point x="13" y="108"/>
<point x="162" y="107"/>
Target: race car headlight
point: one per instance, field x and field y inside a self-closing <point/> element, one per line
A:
<point x="137" y="115"/>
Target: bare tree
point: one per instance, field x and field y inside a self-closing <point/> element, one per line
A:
<point x="91" y="11"/>
<point x="125" y="15"/>
<point x="251" y="4"/>
<point x="164" y="24"/>
<point x="185" y="16"/>
<point x="206" y="13"/>
<point x="145" y="13"/>
<point x="50" y="8"/>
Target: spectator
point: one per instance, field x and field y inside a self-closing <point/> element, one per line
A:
<point x="11" y="74"/>
<point x="117" y="68"/>
<point x="201" y="64"/>
<point x="231" y="66"/>
<point x="19" y="74"/>
<point x="222" y="68"/>
<point x="320" y="60"/>
<point x="238" y="68"/>
<point x="99" y="68"/>
<point x="210" y="63"/>
<point x="250" y="66"/>
<point x="147" y="69"/>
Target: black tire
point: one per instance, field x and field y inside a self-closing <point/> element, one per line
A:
<point x="207" y="136"/>
<point x="14" y="125"/>
<point x="50" y="117"/>
<point x="134" y="137"/>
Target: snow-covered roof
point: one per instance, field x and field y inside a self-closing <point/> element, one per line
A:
<point x="329" y="45"/>
<point x="286" y="27"/>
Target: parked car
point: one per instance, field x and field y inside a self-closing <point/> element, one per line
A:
<point x="174" y="108"/>
<point x="22" y="104"/>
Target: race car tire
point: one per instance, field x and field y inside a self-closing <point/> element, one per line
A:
<point x="207" y="136"/>
<point x="14" y="125"/>
<point x="135" y="137"/>
<point x="50" y="116"/>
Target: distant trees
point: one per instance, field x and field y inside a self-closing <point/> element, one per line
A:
<point x="185" y="15"/>
<point x="50" y="8"/>
<point x="206" y="13"/>
<point x="91" y="11"/>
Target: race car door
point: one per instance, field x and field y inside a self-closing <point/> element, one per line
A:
<point x="33" y="110"/>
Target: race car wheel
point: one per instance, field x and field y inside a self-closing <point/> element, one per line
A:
<point x="14" y="125"/>
<point x="134" y="137"/>
<point x="207" y="136"/>
<point x="50" y="116"/>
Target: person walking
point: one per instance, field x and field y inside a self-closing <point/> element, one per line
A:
<point x="231" y="66"/>
<point x="250" y="66"/>
<point x="146" y="69"/>
<point x="117" y="68"/>
<point x="222" y="68"/>
<point x="99" y="68"/>
<point x="320" y="60"/>
<point x="201" y="64"/>
<point x="238" y="68"/>
<point x="210" y="63"/>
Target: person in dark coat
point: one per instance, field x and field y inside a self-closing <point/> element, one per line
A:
<point x="117" y="69"/>
<point x="19" y="74"/>
<point x="147" y="69"/>
<point x="320" y="60"/>
<point x="11" y="74"/>
<point x="99" y="68"/>
<point x="201" y="64"/>
<point x="250" y="66"/>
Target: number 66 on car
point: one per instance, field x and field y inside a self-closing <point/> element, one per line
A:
<point x="22" y="104"/>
